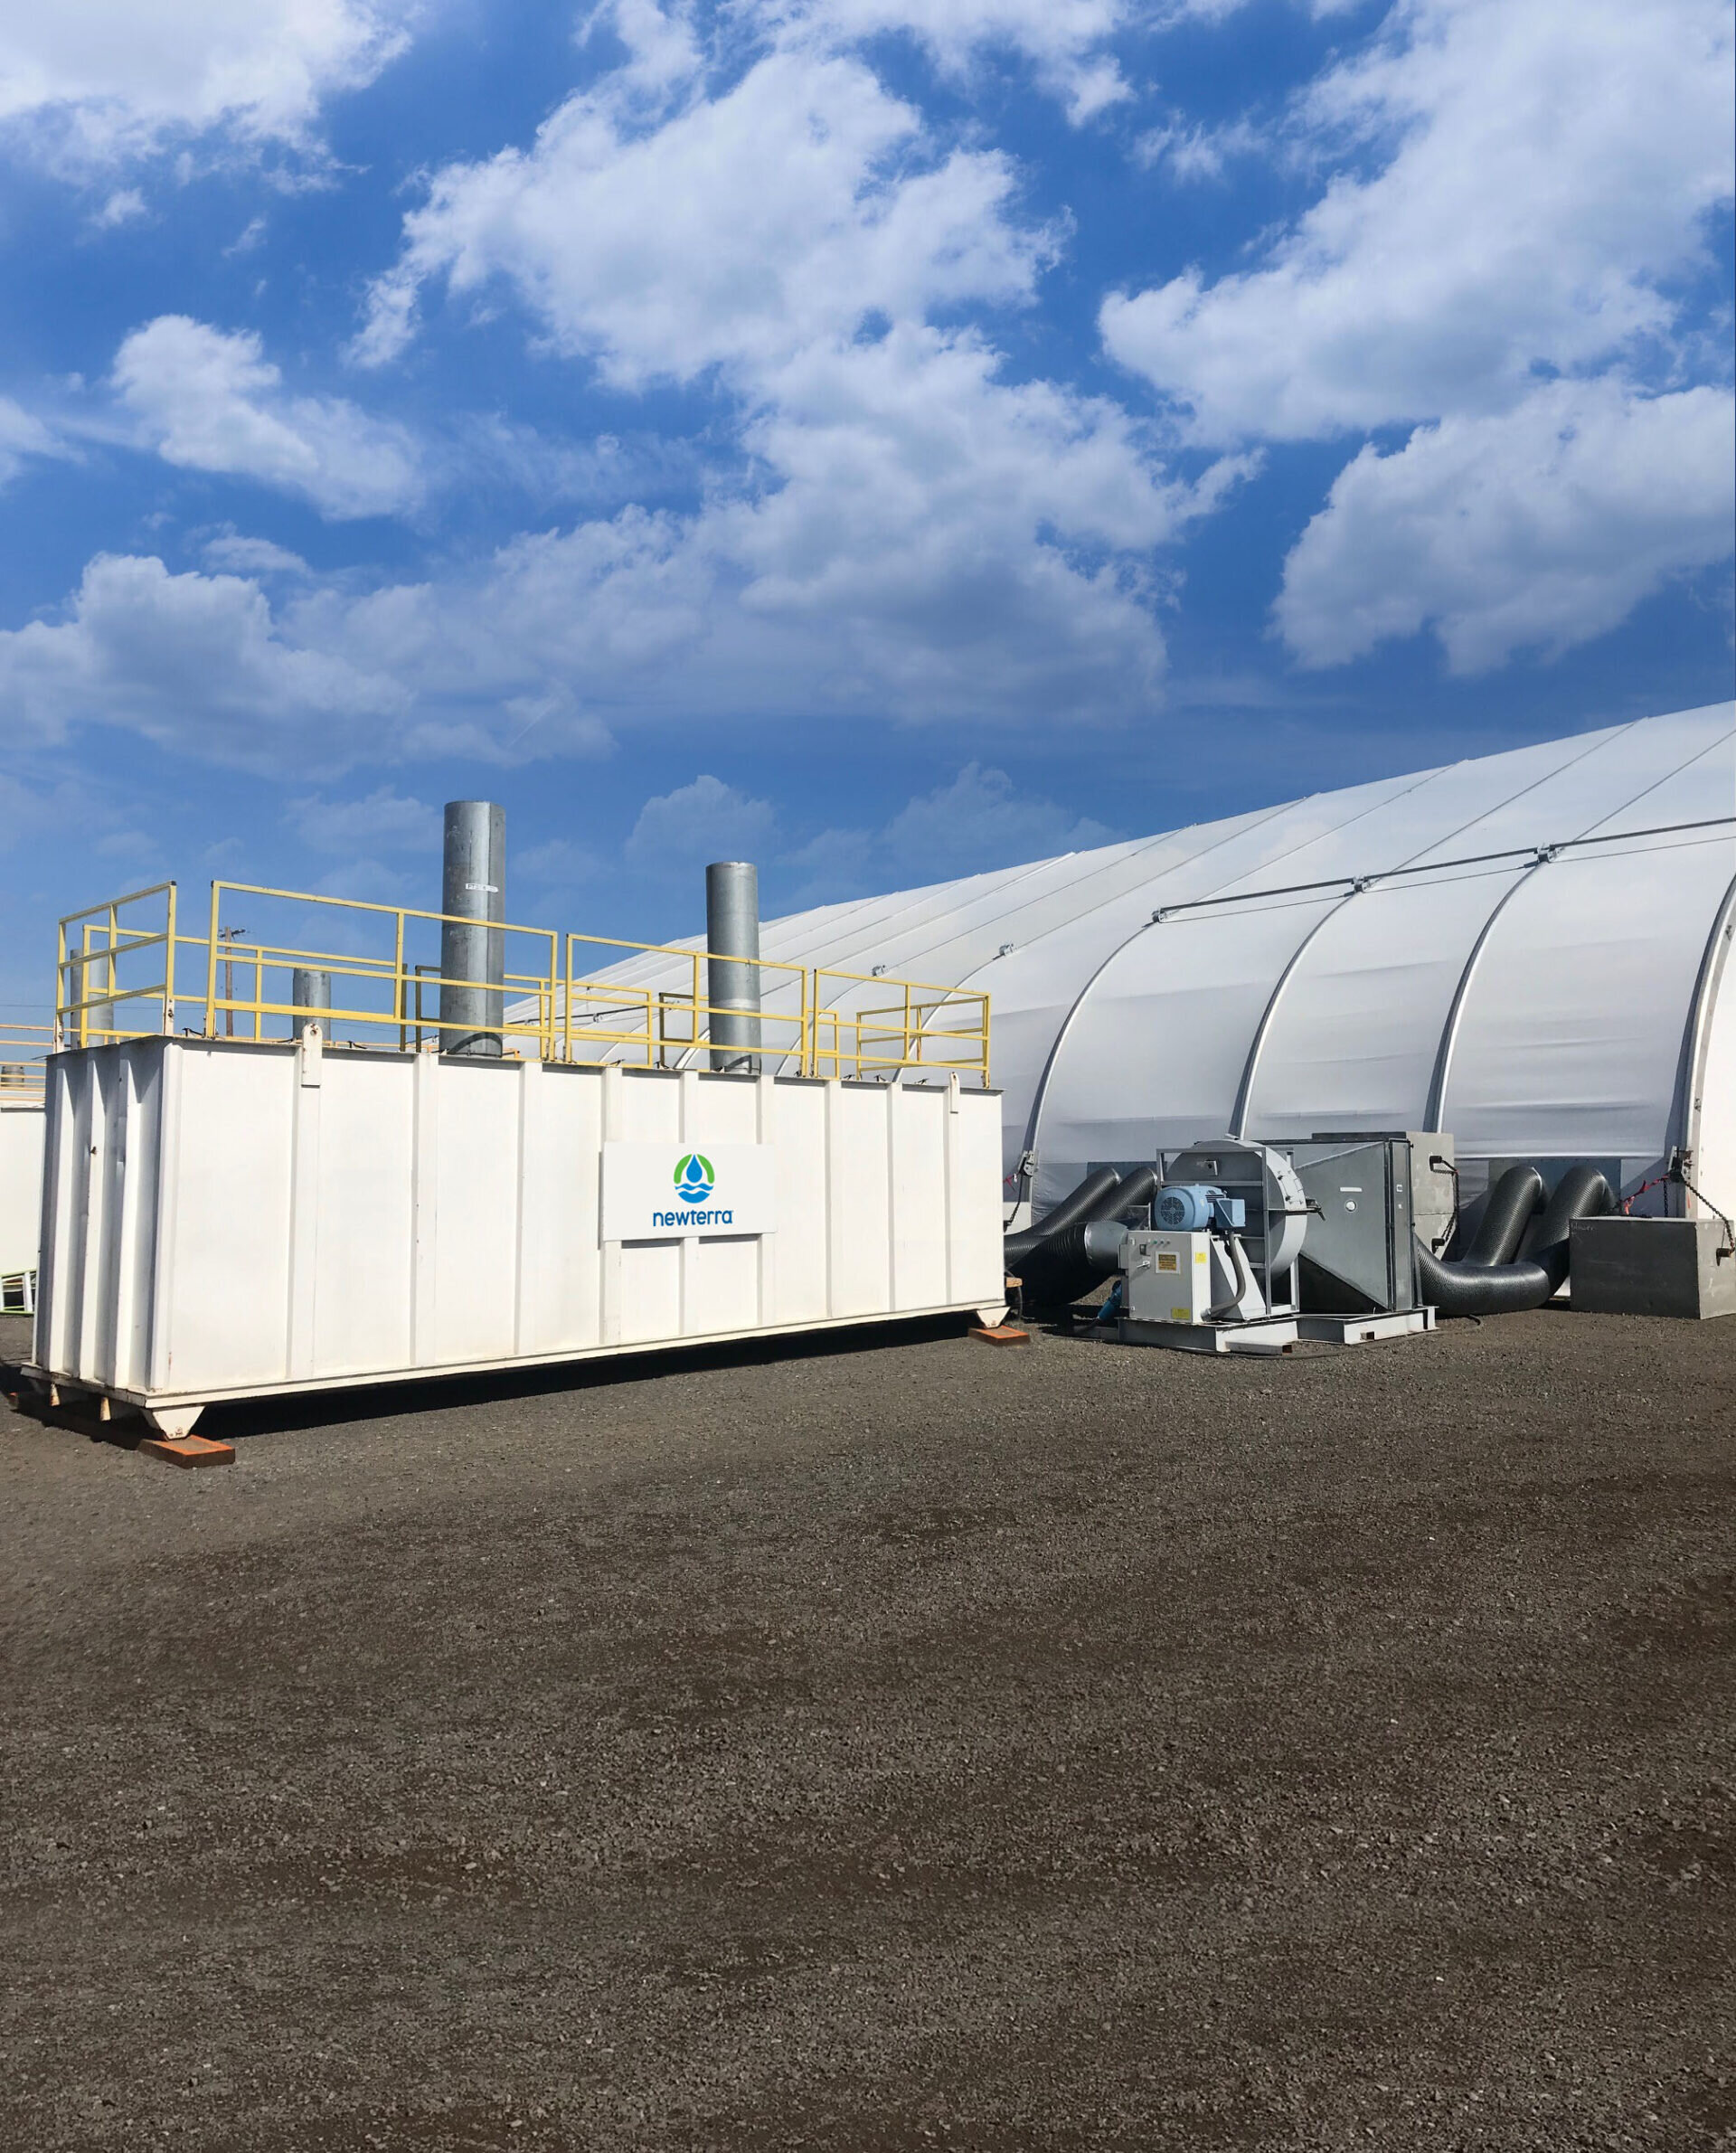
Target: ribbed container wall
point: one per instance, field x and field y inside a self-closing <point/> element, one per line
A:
<point x="226" y="1218"/>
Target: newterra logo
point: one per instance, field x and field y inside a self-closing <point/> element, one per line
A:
<point x="694" y="1179"/>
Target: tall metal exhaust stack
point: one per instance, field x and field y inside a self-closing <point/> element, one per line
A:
<point x="732" y="941"/>
<point x="473" y="948"/>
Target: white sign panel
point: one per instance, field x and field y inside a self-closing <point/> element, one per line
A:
<point x="659" y="1192"/>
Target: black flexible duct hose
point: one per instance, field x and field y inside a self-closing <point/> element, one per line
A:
<point x="1058" y="1268"/>
<point x="1070" y="1208"/>
<point x="1506" y="1217"/>
<point x="1474" y="1290"/>
<point x="1140" y="1188"/>
<point x="1061" y="1269"/>
<point x="1501" y="1288"/>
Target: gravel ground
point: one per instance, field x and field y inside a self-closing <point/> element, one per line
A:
<point x="912" y="1746"/>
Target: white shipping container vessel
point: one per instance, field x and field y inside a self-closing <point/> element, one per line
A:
<point x="224" y="1218"/>
<point x="318" y="1153"/>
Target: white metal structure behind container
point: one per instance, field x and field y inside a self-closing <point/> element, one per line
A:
<point x="226" y="1218"/>
<point x="21" y="1200"/>
<point x="1531" y="951"/>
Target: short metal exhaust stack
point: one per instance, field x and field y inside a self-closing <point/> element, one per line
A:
<point x="473" y="957"/>
<point x="310" y="997"/>
<point x="732" y="942"/>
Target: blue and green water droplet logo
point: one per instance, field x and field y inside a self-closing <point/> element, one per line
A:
<point x="694" y="1179"/>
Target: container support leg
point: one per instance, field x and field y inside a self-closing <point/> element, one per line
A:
<point x="172" y="1421"/>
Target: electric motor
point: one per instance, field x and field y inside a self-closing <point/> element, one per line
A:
<point x="1191" y="1207"/>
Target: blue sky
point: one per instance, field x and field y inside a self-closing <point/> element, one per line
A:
<point x="886" y="438"/>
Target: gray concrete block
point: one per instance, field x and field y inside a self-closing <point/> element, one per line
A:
<point x="1652" y="1267"/>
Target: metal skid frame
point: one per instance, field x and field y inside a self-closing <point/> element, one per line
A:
<point x="1275" y="1334"/>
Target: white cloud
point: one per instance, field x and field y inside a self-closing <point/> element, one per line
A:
<point x="1543" y="171"/>
<point x="740" y="229"/>
<point x="1198" y="153"/>
<point x="927" y="542"/>
<point x="1516" y="205"/>
<point x="913" y="532"/>
<point x="1542" y="526"/>
<point x="366" y="881"/>
<point x="86" y="81"/>
<point x="211" y="401"/>
<point x="385" y="821"/>
<point x="558" y="864"/>
<point x="251" y="235"/>
<point x="897" y="528"/>
<point x="126" y="205"/>
<point x="21" y="436"/>
<point x="954" y="543"/>
<point x="194" y="661"/>
<point x="977" y="820"/>
<point x="230" y="552"/>
<point x="128" y="845"/>
<point x="706" y="820"/>
<point x="981" y="820"/>
<point x="1064" y="39"/>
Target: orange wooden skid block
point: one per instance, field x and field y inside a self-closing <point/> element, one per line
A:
<point x="189" y="1450"/>
<point x="1001" y="1334"/>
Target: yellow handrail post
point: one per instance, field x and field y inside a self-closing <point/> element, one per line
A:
<point x="84" y="985"/>
<point x="566" y="1011"/>
<point x="112" y="1028"/>
<point x="168" y="968"/>
<point x="397" y="976"/>
<point x="210" y="965"/>
<point x="59" y="986"/>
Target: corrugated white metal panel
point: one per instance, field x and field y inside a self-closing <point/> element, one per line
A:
<point x="1700" y="783"/>
<point x="1382" y="972"/>
<point x="234" y="1218"/>
<point x="228" y="1178"/>
<point x="1036" y="989"/>
<point x="1594" y="777"/>
<point x="1354" y="1039"/>
<point x="93" y="1210"/>
<point x="1349" y="1040"/>
<point x="898" y="931"/>
<point x="1154" y="1056"/>
<point x="1333" y="835"/>
<point x="1501" y="800"/>
<point x="364" y="1166"/>
<point x="1572" y="1033"/>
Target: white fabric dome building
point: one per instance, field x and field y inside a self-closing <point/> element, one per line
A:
<point x="1530" y="951"/>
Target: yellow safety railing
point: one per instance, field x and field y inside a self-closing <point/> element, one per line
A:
<point x="940" y="1028"/>
<point x="104" y="969"/>
<point x="24" y="1049"/>
<point x="127" y="969"/>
